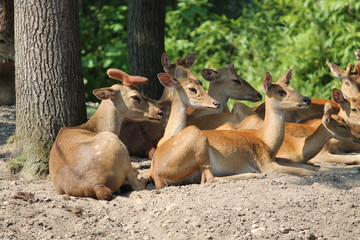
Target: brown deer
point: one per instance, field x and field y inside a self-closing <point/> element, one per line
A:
<point x="141" y="138"/>
<point x="336" y="151"/>
<point x="89" y="160"/>
<point x="302" y="149"/>
<point x="193" y="155"/>
<point x="350" y="79"/>
<point x="225" y="83"/>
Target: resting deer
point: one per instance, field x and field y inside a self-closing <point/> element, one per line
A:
<point x="302" y="149"/>
<point x="89" y="160"/>
<point x="225" y="83"/>
<point x="7" y="69"/>
<point x="141" y="138"/>
<point x="334" y="149"/>
<point x="194" y="155"/>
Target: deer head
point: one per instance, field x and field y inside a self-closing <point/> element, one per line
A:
<point x="127" y="99"/>
<point x="349" y="107"/>
<point x="281" y="96"/>
<point x="232" y="85"/>
<point x="190" y="90"/>
<point x="350" y="80"/>
<point x="338" y="127"/>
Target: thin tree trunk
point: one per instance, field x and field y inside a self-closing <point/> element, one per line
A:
<point x="146" y="27"/>
<point x="49" y="84"/>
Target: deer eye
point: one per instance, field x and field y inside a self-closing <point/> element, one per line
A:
<point x="193" y="90"/>
<point x="353" y="110"/>
<point x="237" y="81"/>
<point x="137" y="99"/>
<point x="2" y="41"/>
<point x="343" y="126"/>
<point x="347" y="83"/>
<point x="282" y="93"/>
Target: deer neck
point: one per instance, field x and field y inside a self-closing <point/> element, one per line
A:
<point x="177" y="118"/>
<point x="106" y="118"/>
<point x="273" y="128"/>
<point x="315" y="142"/>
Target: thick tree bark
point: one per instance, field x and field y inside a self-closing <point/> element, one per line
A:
<point x="146" y="27"/>
<point x="49" y="84"/>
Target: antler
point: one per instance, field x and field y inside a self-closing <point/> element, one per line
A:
<point x="125" y="78"/>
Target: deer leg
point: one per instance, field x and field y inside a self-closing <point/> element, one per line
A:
<point x="102" y="193"/>
<point x="135" y="183"/>
<point x="349" y="159"/>
<point x="241" y="176"/>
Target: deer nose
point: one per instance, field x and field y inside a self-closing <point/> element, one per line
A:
<point x="217" y="104"/>
<point x="259" y="96"/>
<point x="307" y="100"/>
<point x="160" y="113"/>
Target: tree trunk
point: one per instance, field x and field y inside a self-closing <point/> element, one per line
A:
<point x="49" y="84"/>
<point x="146" y="27"/>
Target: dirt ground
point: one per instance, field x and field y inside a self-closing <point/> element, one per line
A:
<point x="279" y="206"/>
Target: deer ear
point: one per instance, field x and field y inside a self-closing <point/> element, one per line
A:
<point x="165" y="62"/>
<point x="167" y="80"/>
<point x="338" y="96"/>
<point x="267" y="81"/>
<point x="286" y="78"/>
<point x="104" y="93"/>
<point x="327" y="113"/>
<point x="335" y="70"/>
<point x="190" y="59"/>
<point x="209" y="74"/>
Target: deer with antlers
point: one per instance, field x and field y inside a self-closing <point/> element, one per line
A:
<point x="193" y="155"/>
<point x="225" y="83"/>
<point x="89" y="160"/>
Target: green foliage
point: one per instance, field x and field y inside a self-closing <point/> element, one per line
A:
<point x="271" y="35"/>
<point x="256" y="36"/>
<point x="103" y="42"/>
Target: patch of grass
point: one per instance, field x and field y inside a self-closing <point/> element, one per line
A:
<point x="16" y="164"/>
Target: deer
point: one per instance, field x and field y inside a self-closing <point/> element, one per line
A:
<point x="7" y="68"/>
<point x="302" y="149"/>
<point x="194" y="155"/>
<point x="334" y="150"/>
<point x="90" y="160"/>
<point x="225" y="83"/>
<point x="141" y="138"/>
<point x="350" y="79"/>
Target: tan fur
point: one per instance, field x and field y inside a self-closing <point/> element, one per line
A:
<point x="350" y="79"/>
<point x="141" y="138"/>
<point x="225" y="83"/>
<point x="89" y="160"/>
<point x="315" y="110"/>
<point x="302" y="149"/>
<point x="222" y="153"/>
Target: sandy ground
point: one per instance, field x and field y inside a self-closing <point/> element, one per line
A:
<point x="324" y="206"/>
